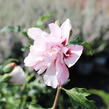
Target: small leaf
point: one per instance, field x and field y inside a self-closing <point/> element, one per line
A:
<point x="11" y="29"/>
<point x="42" y="19"/>
<point x="89" y="50"/>
<point x="25" y="48"/>
<point x="35" y="107"/>
<point x="78" y="97"/>
<point x="15" y="29"/>
<point x="103" y="95"/>
<point x="11" y="60"/>
<point x="76" y="40"/>
<point x="5" y="77"/>
<point x="87" y="46"/>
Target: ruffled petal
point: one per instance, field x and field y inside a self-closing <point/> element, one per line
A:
<point x="61" y="71"/>
<point x="50" y="77"/>
<point x="55" y="32"/>
<point x="36" y="33"/>
<point x="72" y="54"/>
<point x="31" y="60"/>
<point x="65" y="31"/>
<point x="42" y="70"/>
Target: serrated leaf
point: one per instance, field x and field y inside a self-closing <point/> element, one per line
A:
<point x="104" y="95"/>
<point x="78" y="97"/>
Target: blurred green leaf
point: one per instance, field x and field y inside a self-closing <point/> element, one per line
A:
<point x="78" y="97"/>
<point x="11" y="60"/>
<point x="76" y="40"/>
<point x="35" y="107"/>
<point x="88" y="48"/>
<point x="11" y="29"/>
<point x="42" y="19"/>
<point x="16" y="29"/>
<point x="1" y="68"/>
<point x="102" y="94"/>
<point x="5" y="77"/>
<point x="25" y="48"/>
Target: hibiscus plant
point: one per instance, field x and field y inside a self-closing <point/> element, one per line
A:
<point x="50" y="55"/>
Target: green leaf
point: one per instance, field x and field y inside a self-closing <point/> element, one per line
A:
<point x="89" y="50"/>
<point x="76" y="40"/>
<point x="25" y="48"/>
<point x="35" y="107"/>
<point x="79" y="100"/>
<point x="1" y="68"/>
<point x="5" y="77"/>
<point x="87" y="46"/>
<point x="103" y="95"/>
<point x="11" y="60"/>
<point x="15" y="29"/>
<point x="42" y="19"/>
<point x="11" y="29"/>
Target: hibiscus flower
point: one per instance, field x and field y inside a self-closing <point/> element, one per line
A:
<point x="50" y="53"/>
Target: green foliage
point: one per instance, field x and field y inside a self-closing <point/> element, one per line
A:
<point x="18" y="29"/>
<point x="88" y="48"/>
<point x="34" y="107"/>
<point x="9" y="60"/>
<point x="103" y="95"/>
<point x="28" y="95"/>
<point x="8" y="68"/>
<point x="79" y="100"/>
<point x="11" y="29"/>
<point x="78" y="40"/>
<point x="23" y="96"/>
<point x="42" y="19"/>
<point x="5" y="77"/>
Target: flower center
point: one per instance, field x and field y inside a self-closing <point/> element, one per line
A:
<point x="68" y="54"/>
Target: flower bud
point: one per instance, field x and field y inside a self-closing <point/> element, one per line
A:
<point x="57" y="22"/>
<point x="18" y="76"/>
<point x="9" y="67"/>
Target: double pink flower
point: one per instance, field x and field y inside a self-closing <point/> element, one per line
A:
<point x="50" y="53"/>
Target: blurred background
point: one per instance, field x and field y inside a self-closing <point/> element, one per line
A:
<point x="90" y="21"/>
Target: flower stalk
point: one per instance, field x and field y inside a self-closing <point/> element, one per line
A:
<point x="56" y="97"/>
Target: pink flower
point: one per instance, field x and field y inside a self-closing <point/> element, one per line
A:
<point x="50" y="53"/>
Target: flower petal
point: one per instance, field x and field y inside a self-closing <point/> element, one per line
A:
<point x="75" y="53"/>
<point x="36" y="33"/>
<point x="61" y="71"/>
<point x="65" y="31"/>
<point x="41" y="70"/>
<point x="50" y="77"/>
<point x="31" y="60"/>
<point x="55" y="32"/>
